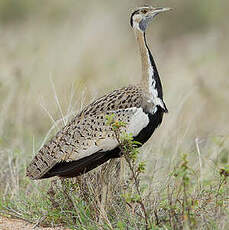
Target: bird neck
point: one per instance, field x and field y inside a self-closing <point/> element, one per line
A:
<point x="150" y="82"/>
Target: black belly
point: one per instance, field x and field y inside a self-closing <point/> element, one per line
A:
<point x="83" y="165"/>
<point x="154" y="121"/>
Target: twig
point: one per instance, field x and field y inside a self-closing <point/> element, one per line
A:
<point x="198" y="152"/>
<point x="134" y="175"/>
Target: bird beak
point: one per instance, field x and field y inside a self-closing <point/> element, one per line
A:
<point x="156" y="11"/>
<point x="159" y="10"/>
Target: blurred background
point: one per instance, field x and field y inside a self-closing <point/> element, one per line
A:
<point x="78" y="50"/>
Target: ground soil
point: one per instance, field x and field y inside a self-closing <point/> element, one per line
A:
<point x="16" y="224"/>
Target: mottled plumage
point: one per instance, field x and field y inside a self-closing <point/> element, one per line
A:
<point x="87" y="141"/>
<point x="88" y="132"/>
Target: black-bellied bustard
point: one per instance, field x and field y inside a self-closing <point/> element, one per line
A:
<point x="86" y="141"/>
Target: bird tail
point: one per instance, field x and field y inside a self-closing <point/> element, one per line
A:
<point x="47" y="163"/>
<point x="43" y="161"/>
<point x="77" y="167"/>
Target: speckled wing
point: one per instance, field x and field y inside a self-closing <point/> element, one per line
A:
<point x="88" y="132"/>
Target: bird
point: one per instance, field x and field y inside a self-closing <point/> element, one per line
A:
<point x="87" y="142"/>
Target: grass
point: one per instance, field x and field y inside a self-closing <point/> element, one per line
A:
<point x="50" y="69"/>
<point x="102" y="199"/>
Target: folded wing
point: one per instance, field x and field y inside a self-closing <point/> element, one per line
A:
<point x="87" y="140"/>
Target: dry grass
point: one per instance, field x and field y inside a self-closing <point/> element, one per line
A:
<point x="61" y="56"/>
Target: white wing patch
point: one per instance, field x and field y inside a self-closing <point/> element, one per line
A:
<point x="138" y="121"/>
<point x="107" y="140"/>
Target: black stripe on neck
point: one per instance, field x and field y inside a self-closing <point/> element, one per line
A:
<point x="156" y="75"/>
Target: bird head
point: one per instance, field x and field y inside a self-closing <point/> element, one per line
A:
<point x="142" y="16"/>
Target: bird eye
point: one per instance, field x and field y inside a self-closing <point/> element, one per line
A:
<point x="144" y="11"/>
